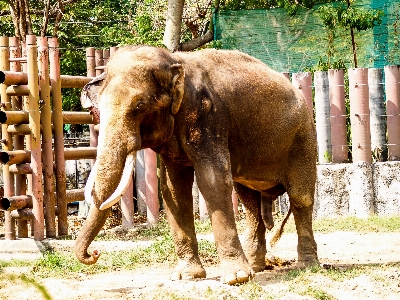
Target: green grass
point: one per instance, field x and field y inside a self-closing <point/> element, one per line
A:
<point x="26" y="280"/>
<point x="370" y="224"/>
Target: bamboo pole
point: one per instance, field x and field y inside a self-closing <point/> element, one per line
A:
<point x="47" y="138"/>
<point x="36" y="151"/>
<point x="54" y="56"/>
<point x="9" y="223"/>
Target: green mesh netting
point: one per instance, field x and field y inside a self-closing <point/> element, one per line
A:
<point x="294" y="44"/>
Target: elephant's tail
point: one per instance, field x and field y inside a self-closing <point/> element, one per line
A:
<point x="278" y="230"/>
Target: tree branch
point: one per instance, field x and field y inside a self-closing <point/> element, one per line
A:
<point x="197" y="42"/>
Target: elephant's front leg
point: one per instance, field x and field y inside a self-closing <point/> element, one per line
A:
<point x="216" y="186"/>
<point x="176" y="185"/>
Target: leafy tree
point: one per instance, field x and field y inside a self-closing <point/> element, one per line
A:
<point x="349" y="18"/>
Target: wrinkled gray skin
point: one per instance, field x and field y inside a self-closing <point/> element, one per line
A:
<point x="225" y="116"/>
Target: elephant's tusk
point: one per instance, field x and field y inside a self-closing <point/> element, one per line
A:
<point x="90" y="184"/>
<point x="123" y="184"/>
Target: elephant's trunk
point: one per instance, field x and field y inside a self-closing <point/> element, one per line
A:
<point x="89" y="231"/>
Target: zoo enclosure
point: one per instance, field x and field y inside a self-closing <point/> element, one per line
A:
<point x="35" y="160"/>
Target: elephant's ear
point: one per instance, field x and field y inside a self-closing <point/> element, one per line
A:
<point x="178" y="87"/>
<point x="90" y="90"/>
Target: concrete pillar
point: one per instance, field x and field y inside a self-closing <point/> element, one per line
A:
<point x="338" y="116"/>
<point x="392" y="84"/>
<point x="377" y="111"/>
<point x="322" y="117"/>
<point x="359" y="114"/>
<point x="303" y="82"/>
<point x="361" y="195"/>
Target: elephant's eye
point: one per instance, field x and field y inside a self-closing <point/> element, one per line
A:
<point x="140" y="105"/>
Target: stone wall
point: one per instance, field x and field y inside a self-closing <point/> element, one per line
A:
<point x="359" y="189"/>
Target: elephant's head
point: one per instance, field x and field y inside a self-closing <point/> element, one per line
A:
<point x="137" y="99"/>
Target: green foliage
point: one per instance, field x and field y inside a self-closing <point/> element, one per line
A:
<point x="349" y="17"/>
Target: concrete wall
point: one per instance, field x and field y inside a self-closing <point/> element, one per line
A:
<point x="359" y="189"/>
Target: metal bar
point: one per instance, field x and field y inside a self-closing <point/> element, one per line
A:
<point x="14" y="117"/>
<point x="9" y="223"/>
<point x="55" y="80"/>
<point x="34" y="124"/>
<point x="16" y="202"/>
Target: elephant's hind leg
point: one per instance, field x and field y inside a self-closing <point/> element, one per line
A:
<point x="254" y="244"/>
<point x="176" y="184"/>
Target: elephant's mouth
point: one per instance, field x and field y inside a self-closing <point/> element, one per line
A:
<point x="126" y="178"/>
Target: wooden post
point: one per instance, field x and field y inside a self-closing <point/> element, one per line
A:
<point x="377" y="119"/>
<point x="303" y="82"/>
<point x="47" y="144"/>
<point x="99" y="61"/>
<point x="9" y="224"/>
<point x="20" y="179"/>
<point x="36" y="150"/>
<point x="338" y="116"/>
<point x="322" y="117"/>
<point x="359" y="115"/>
<point x="54" y="57"/>
<point x="392" y="84"/>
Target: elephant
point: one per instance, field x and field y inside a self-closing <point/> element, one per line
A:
<point x="222" y="115"/>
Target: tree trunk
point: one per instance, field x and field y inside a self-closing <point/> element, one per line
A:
<point x="21" y="18"/>
<point x="172" y="33"/>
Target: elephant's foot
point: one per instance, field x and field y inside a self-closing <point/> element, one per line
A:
<point x="184" y="270"/>
<point x="307" y="252"/>
<point x="236" y="273"/>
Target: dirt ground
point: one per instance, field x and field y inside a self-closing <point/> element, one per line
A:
<point x="339" y="249"/>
